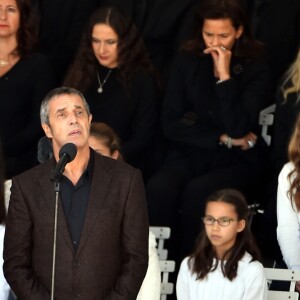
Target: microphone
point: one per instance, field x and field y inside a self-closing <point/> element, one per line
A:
<point x="66" y="154"/>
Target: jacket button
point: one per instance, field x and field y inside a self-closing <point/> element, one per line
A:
<point x="76" y="264"/>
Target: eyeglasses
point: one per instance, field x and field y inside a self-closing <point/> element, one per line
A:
<point x="222" y="221"/>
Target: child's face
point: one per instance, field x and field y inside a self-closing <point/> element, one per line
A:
<point x="222" y="237"/>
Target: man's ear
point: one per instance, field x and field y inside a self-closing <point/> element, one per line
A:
<point x="47" y="130"/>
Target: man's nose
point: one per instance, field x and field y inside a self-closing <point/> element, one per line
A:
<point x="73" y="119"/>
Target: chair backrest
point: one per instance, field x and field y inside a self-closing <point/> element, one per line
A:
<point x="283" y="275"/>
<point x="161" y="234"/>
<point x="167" y="288"/>
<point x="266" y="118"/>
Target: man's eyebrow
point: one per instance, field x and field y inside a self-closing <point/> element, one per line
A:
<point x="60" y="110"/>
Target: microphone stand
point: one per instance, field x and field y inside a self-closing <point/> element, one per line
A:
<point x="56" y="190"/>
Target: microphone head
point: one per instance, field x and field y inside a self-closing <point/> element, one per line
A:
<point x="69" y="150"/>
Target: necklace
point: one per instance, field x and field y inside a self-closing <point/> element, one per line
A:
<point x="101" y="85"/>
<point x="4" y="62"/>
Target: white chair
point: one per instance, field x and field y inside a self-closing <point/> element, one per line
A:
<point x="283" y="275"/>
<point x="161" y="234"/>
<point x="167" y="288"/>
<point x="266" y="118"/>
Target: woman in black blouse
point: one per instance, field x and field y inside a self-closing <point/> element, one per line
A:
<point x="25" y="78"/>
<point x="112" y="69"/>
<point x="217" y="87"/>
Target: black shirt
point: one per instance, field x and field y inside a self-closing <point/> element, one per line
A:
<point x="74" y="199"/>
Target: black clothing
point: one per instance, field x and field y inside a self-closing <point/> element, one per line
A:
<point x="75" y="200"/>
<point x="277" y="24"/>
<point x="23" y="88"/>
<point x="196" y="112"/>
<point x="132" y="114"/>
<point x="286" y="114"/>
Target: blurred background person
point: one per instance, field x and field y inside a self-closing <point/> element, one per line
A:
<point x="25" y="78"/>
<point x="114" y="72"/>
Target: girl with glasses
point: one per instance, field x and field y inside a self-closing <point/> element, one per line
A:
<point x="225" y="262"/>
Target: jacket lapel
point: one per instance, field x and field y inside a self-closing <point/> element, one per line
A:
<point x="101" y="179"/>
<point x="48" y="195"/>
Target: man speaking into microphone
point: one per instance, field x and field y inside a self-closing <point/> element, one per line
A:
<point x="102" y="224"/>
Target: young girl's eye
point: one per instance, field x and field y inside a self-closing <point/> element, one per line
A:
<point x="224" y="221"/>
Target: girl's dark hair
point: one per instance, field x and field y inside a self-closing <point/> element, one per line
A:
<point x="27" y="33"/>
<point x="246" y="46"/>
<point x="202" y="261"/>
<point x="132" y="55"/>
<point x="107" y="135"/>
<point x="2" y="199"/>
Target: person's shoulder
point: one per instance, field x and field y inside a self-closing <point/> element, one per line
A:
<point x="114" y="166"/>
<point x="143" y="77"/>
<point x="37" y="58"/>
<point x="187" y="263"/>
<point x="247" y="264"/>
<point x="256" y="65"/>
<point x="37" y="64"/>
<point x="287" y="169"/>
<point x="184" y="57"/>
<point x="35" y="172"/>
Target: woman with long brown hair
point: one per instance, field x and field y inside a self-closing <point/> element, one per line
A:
<point x="114" y="72"/>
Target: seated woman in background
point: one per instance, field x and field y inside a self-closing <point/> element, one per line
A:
<point x="25" y="78"/>
<point x="114" y="72"/>
<point x="217" y="87"/>
<point x="225" y="263"/>
<point x="105" y="141"/>
<point x="286" y="113"/>
<point x="288" y="205"/>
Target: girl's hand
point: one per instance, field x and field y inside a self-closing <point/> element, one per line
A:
<point x="221" y="57"/>
<point x="298" y="286"/>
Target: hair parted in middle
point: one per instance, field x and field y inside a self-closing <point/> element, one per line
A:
<point x="204" y="260"/>
<point x="132" y="54"/>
